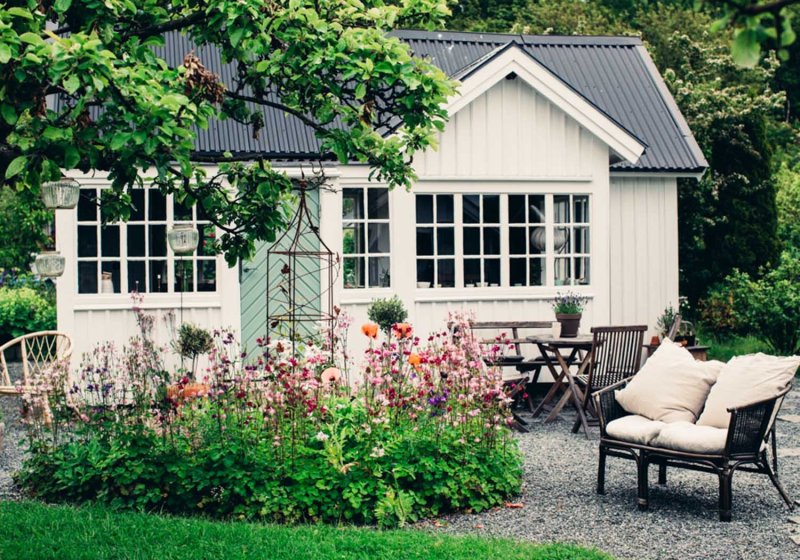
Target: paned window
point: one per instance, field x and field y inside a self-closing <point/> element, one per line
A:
<point x="121" y="258"/>
<point x="481" y="229"/>
<point x="527" y="239"/>
<point x="436" y="246"/>
<point x="365" y="235"/>
<point x="571" y="239"/>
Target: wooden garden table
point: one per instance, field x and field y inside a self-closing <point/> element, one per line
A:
<point x="551" y="349"/>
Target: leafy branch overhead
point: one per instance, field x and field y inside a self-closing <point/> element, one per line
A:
<point x="85" y="87"/>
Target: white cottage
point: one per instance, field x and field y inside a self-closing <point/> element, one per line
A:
<point x="558" y="169"/>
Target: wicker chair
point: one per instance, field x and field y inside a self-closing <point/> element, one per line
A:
<point x="36" y="351"/>
<point x="750" y="428"/>
<point x="616" y="355"/>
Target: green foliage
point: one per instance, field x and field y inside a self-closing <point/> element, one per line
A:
<point x="666" y="320"/>
<point x="788" y="203"/>
<point x="332" y="63"/>
<point x="387" y="312"/>
<point x="23" y="222"/>
<point x="192" y="342"/>
<point x="569" y="303"/>
<point x="58" y="533"/>
<point x="23" y="310"/>
<point x="768" y="307"/>
<point x="389" y="475"/>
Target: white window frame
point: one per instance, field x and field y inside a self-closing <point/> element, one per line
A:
<point x="365" y="221"/>
<point x="436" y="226"/>
<point x="124" y="259"/>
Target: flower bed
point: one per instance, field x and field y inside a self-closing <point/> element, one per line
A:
<point x="282" y="436"/>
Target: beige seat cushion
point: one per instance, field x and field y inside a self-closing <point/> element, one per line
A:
<point x="745" y="380"/>
<point x="634" y="429"/>
<point x="685" y="436"/>
<point x="671" y="386"/>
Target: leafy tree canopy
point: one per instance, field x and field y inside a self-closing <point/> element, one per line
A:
<point x="126" y="111"/>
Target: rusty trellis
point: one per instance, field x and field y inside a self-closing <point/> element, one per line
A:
<point x="301" y="271"/>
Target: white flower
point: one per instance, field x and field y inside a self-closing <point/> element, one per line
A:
<point x="377" y="452"/>
<point x="321" y="436"/>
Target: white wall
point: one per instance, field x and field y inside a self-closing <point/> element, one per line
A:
<point x="644" y="248"/>
<point x="93" y="318"/>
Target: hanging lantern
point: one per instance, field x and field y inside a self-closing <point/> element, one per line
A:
<point x="62" y="194"/>
<point x="49" y="264"/>
<point x="183" y="239"/>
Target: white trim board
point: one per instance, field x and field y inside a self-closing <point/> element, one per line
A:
<point x="512" y="59"/>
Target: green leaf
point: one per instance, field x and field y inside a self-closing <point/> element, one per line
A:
<point x="5" y="53"/>
<point x="9" y="114"/>
<point x="62" y="6"/>
<point x="20" y="12"/>
<point x="16" y="166"/>
<point x="72" y="84"/>
<point x="31" y="39"/>
<point x="361" y="90"/>
<point x="745" y="49"/>
<point x="71" y="157"/>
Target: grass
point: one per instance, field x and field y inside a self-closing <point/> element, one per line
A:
<point x="725" y="349"/>
<point x="34" y="530"/>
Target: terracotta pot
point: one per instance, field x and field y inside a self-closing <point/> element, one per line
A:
<point x="570" y="323"/>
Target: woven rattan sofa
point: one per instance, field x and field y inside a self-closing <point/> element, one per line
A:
<point x="745" y="446"/>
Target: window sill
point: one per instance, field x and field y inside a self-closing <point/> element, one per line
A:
<point x="434" y="295"/>
<point x="98" y="302"/>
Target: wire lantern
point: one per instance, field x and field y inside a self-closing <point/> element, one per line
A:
<point x="301" y="272"/>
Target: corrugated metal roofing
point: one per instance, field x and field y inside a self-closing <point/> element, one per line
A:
<point x="613" y="73"/>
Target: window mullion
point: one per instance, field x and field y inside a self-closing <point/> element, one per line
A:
<point x="505" y="251"/>
<point x="458" y="222"/>
<point x="549" y="209"/>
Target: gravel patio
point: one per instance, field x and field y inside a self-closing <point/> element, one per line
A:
<point x="560" y="503"/>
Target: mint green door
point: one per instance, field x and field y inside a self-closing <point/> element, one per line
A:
<point x="255" y="280"/>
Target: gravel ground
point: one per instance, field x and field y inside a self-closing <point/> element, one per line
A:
<point x="11" y="450"/>
<point x="560" y="503"/>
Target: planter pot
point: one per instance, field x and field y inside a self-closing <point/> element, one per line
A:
<point x="61" y="194"/>
<point x="570" y="323"/>
<point x="49" y="264"/>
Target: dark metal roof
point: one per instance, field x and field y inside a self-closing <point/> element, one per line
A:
<point x="615" y="74"/>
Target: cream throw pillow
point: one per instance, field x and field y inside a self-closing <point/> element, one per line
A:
<point x="671" y="386"/>
<point x="745" y="380"/>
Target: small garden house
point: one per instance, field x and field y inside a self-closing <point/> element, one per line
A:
<point x="558" y="170"/>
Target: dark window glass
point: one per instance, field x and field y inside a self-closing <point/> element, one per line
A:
<point x="353" y="272"/>
<point x="182" y="212"/>
<point x="582" y="270"/>
<point x="472" y="214"/>
<point x="353" y="204"/>
<point x="444" y="209"/>
<point x="87" y="277"/>
<point x="87" y="241"/>
<point x="424" y="209"/>
<point x="136" y="241"/>
<point x="109" y="274"/>
<point x="158" y="276"/>
<point x="424" y="241"/>
<point x="136" y="276"/>
<point x="491" y="209"/>
<point x="491" y="271"/>
<point x="157" y="210"/>
<point x="137" y="205"/>
<point x="561" y="209"/>
<point x="183" y="269"/>
<point x="537" y="272"/>
<point x="207" y="236"/>
<point x="581" y="204"/>
<point x="202" y="215"/>
<point x="378" y="238"/>
<point x="378" y="201"/>
<point x="516" y="208"/>
<point x="379" y="274"/>
<point x="206" y="275"/>
<point x="447" y="273"/>
<point x="516" y="240"/>
<point x="491" y="241"/>
<point x="425" y="272"/>
<point x="517" y="271"/>
<point x="87" y="206"/>
<point x="353" y="238"/>
<point x="536" y="209"/>
<point x="472" y="241"/>
<point x="158" y="241"/>
<point x="582" y="240"/>
<point x="109" y="239"/>
<point x="445" y="241"/>
<point x="472" y="271"/>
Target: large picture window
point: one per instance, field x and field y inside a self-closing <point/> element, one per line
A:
<point x="365" y="236"/>
<point x="511" y="240"/>
<point x="121" y="258"/>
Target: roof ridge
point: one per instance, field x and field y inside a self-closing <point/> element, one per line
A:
<point x="489" y="37"/>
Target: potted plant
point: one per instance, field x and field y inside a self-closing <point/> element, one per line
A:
<point x="387" y="312"/>
<point x="569" y="309"/>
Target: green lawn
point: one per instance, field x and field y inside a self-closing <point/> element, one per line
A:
<point x="32" y="530"/>
<point x="725" y="349"/>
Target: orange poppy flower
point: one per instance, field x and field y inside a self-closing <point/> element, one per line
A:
<point x="370" y="330"/>
<point x="402" y="330"/>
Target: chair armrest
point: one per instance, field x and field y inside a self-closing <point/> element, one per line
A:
<point x="608" y="409"/>
<point x="751" y="423"/>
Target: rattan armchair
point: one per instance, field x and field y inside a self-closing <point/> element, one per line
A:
<point x="751" y="433"/>
<point x="36" y="351"/>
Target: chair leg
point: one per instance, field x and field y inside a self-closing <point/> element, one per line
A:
<point x="601" y="471"/>
<point x="725" y="493"/>
<point x="662" y="473"/>
<point x="643" y="465"/>
<point x="773" y="476"/>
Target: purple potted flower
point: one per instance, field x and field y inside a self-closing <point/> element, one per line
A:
<point x="569" y="310"/>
